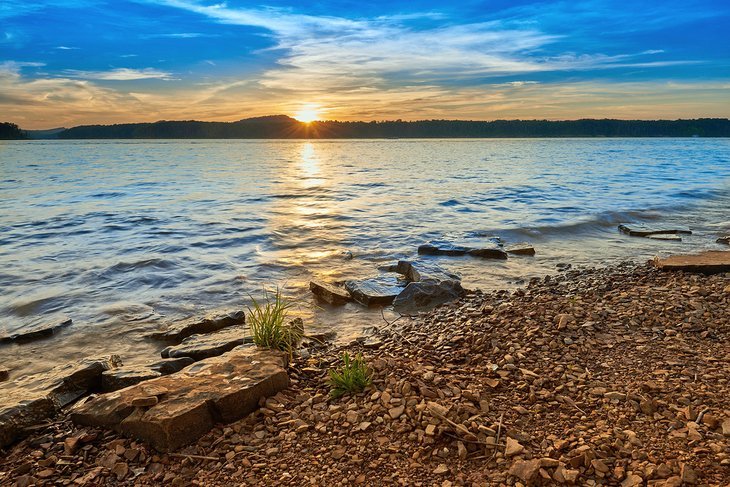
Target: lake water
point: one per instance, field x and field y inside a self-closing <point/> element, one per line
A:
<point x="124" y="235"/>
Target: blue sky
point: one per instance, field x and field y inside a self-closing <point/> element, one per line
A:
<point x="67" y="62"/>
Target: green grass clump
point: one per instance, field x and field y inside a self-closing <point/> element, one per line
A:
<point x="351" y="377"/>
<point x="267" y="320"/>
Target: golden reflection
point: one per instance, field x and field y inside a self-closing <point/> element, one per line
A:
<point x="309" y="166"/>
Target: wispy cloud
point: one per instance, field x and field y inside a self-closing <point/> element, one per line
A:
<point x="120" y="74"/>
<point x="65" y="48"/>
<point x="178" y="35"/>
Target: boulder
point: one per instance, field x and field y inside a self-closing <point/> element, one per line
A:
<point x="35" y="332"/>
<point x="724" y="240"/>
<point x="179" y="330"/>
<point x="189" y="403"/>
<point x="418" y="271"/>
<point x="121" y="377"/>
<point x="375" y="291"/>
<point x="30" y="400"/>
<point x="711" y="262"/>
<point x="334" y="295"/>
<point x="198" y="347"/>
<point x="418" y="296"/>
<point x="642" y="230"/>
<point x="522" y="248"/>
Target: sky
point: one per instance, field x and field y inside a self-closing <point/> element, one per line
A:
<point x="72" y="62"/>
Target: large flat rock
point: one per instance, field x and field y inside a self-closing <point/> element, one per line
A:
<point x="334" y="295"/>
<point x="375" y="291"/>
<point x="184" y="406"/>
<point x="199" y="347"/>
<point x="179" y="330"/>
<point x="29" y="400"/>
<point x="129" y="375"/>
<point x="491" y="251"/>
<point x="34" y="332"/>
<point x="707" y="262"/>
<point x="646" y="230"/>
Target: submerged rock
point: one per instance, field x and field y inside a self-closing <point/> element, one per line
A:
<point x="333" y="295"/>
<point x="179" y="330"/>
<point x="711" y="262"/>
<point x="375" y="291"/>
<point x="35" y="332"/>
<point x="643" y="230"/>
<point x="522" y="248"/>
<point x="447" y="248"/>
<point x="419" y="296"/>
<point x="30" y="400"/>
<point x="199" y="347"/>
<point x="724" y="240"/>
<point x="189" y="403"/>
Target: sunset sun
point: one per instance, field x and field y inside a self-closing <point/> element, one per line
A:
<point x="308" y="113"/>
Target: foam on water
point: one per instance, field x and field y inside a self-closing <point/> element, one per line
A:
<point x="122" y="235"/>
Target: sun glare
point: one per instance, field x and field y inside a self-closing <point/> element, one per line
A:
<point x="308" y="113"/>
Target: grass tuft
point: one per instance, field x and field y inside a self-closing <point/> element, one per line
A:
<point x="351" y="377"/>
<point x="267" y="320"/>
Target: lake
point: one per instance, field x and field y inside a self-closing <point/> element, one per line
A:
<point x="122" y="236"/>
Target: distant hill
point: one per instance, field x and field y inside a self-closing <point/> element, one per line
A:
<point x="284" y="127"/>
<point x="45" y="134"/>
<point x="10" y="131"/>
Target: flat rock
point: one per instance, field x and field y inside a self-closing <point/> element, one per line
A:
<point x="522" y="248"/>
<point x="198" y="347"/>
<point x="447" y="248"/>
<point x="29" y="400"/>
<point x="115" y="379"/>
<point x="711" y="262"/>
<point x="420" y="296"/>
<point x="724" y="240"/>
<point x="329" y="293"/>
<point x="35" y="332"/>
<point x="179" y="330"/>
<point x="375" y="291"/>
<point x="419" y="271"/>
<point x="171" y="365"/>
<point x="216" y="390"/>
<point x="644" y="230"/>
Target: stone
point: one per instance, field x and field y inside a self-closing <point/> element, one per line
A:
<point x="442" y="248"/>
<point x="220" y="389"/>
<point x="30" y="400"/>
<point x="34" y="332"/>
<point x="441" y="469"/>
<point x="724" y="240"/>
<point x="726" y="427"/>
<point x="182" y="329"/>
<point x="711" y="262"/>
<point x="199" y="347"/>
<point x="419" y="296"/>
<point x="495" y="252"/>
<point x="522" y="248"/>
<point x="375" y="291"/>
<point x="171" y="365"/>
<point x="329" y="293"/>
<point x="418" y="271"/>
<point x="632" y="480"/>
<point x="140" y="402"/>
<point x="525" y="470"/>
<point x="687" y="474"/>
<point x="396" y="412"/>
<point x="4" y="375"/>
<point x="565" y="475"/>
<point x="115" y="379"/>
<point x="513" y="447"/>
<point x="642" y="230"/>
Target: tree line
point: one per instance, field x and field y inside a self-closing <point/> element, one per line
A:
<point x="10" y="131"/>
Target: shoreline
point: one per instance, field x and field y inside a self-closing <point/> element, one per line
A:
<point x="603" y="376"/>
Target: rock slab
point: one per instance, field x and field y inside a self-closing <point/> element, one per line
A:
<point x="121" y="377"/>
<point x="199" y="347"/>
<point x="189" y="403"/>
<point x="451" y="249"/>
<point x="329" y="293"/>
<point x="375" y="291"/>
<point x="182" y="329"/>
<point x="711" y="262"/>
<point x="419" y="296"/>
<point x="35" y="332"/>
<point x="30" y="400"/>
<point x="641" y="230"/>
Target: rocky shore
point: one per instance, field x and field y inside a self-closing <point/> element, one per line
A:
<point x="613" y="376"/>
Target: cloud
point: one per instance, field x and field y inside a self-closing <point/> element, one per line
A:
<point x="65" y="48"/>
<point x="177" y="35"/>
<point x="120" y="74"/>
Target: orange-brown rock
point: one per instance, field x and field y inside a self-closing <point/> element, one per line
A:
<point x="216" y="390"/>
<point x="711" y="262"/>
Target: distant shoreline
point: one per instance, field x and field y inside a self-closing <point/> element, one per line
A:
<point x="284" y="127"/>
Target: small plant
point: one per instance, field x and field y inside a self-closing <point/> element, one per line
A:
<point x="351" y="377"/>
<point x="267" y="321"/>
